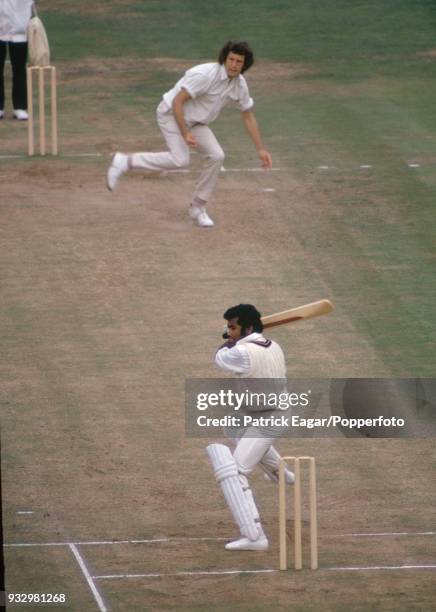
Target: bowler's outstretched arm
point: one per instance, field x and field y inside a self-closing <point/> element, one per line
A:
<point x="253" y="130"/>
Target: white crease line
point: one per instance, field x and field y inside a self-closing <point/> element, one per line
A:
<point x="258" y="170"/>
<point x="83" y="155"/>
<point x="386" y="534"/>
<point x="31" y="544"/>
<point x="175" y="574"/>
<point x="110" y="542"/>
<point x="12" y="156"/>
<point x="187" y="171"/>
<point x="181" y="539"/>
<point x="251" y="169"/>
<point x="381" y="567"/>
<point x="89" y="580"/>
<point x="206" y="539"/>
<point x="261" y="571"/>
<point x="60" y="156"/>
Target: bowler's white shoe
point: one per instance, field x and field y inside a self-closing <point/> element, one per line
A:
<point x="21" y="115"/>
<point x="118" y="166"/>
<point x="200" y="215"/>
<point x="245" y="544"/>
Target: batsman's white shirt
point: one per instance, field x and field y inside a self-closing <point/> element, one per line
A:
<point x="210" y="89"/>
<point x="253" y="356"/>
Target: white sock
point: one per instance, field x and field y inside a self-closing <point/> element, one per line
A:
<point x="198" y="202"/>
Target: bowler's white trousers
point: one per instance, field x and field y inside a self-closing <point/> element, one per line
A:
<point x="178" y="155"/>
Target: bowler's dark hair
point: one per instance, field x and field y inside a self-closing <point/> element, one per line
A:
<point x="240" y="48"/>
<point x="247" y="316"/>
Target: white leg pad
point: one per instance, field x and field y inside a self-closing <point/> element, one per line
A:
<point x="251" y="503"/>
<point x="226" y="474"/>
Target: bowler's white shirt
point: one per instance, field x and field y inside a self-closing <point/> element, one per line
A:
<point x="236" y="358"/>
<point x="210" y="89"/>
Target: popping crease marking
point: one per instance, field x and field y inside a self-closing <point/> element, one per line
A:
<point x="110" y="542"/>
<point x="194" y="573"/>
<point x="206" y="539"/>
<point x="384" y="534"/>
<point x="187" y="171"/>
<point x="259" y="571"/>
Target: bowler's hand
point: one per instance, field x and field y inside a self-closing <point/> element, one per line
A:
<point x="190" y="140"/>
<point x="265" y="158"/>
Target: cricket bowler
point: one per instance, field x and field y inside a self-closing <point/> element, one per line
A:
<point x="247" y="353"/>
<point x="184" y="115"/>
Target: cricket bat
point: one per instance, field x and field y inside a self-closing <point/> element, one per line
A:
<point x="314" y="309"/>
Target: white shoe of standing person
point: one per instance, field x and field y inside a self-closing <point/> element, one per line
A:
<point x="2" y="114"/>
<point x="200" y="215"/>
<point x="118" y="166"/>
<point x="245" y="544"/>
<point x="21" y="115"/>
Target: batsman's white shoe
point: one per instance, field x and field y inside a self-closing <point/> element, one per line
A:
<point x="21" y="115"/>
<point x="118" y="166"/>
<point x="200" y="215"/>
<point x="245" y="544"/>
<point x="2" y="114"/>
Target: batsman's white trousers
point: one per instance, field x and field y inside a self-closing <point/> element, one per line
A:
<point x="250" y="451"/>
<point x="178" y="155"/>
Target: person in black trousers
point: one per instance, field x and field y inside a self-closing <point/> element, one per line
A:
<point x="14" y="17"/>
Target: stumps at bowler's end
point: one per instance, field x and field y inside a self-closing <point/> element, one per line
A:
<point x="298" y="557"/>
<point x="40" y="71"/>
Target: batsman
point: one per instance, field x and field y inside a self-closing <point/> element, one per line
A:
<point x="184" y="115"/>
<point x="248" y="354"/>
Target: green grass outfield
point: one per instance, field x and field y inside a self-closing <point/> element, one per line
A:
<point x="374" y="31"/>
<point x="363" y="94"/>
<point x="110" y="301"/>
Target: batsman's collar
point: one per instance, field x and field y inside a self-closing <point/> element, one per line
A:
<point x="250" y="338"/>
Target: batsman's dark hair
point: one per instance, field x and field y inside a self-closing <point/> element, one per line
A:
<point x="247" y="316"/>
<point x="240" y="48"/>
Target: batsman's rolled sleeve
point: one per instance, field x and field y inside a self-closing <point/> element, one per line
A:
<point x="235" y="360"/>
